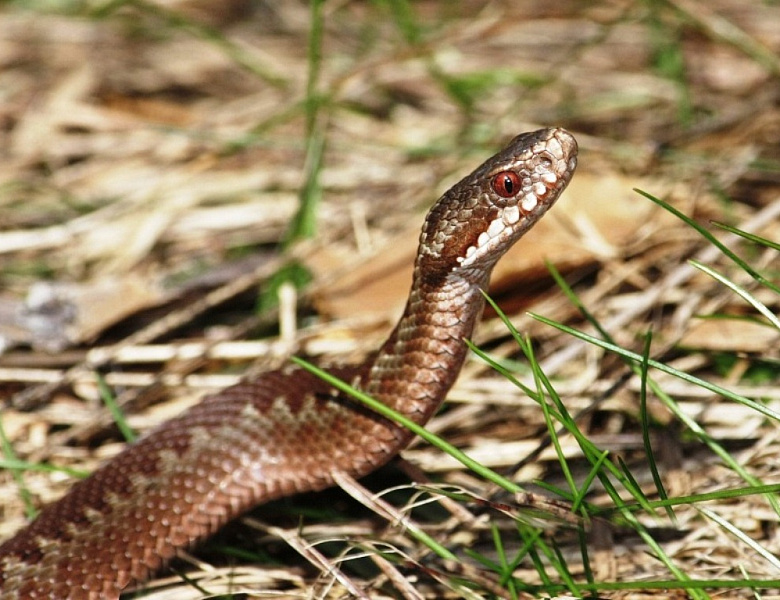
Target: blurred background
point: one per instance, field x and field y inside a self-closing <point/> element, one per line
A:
<point x="168" y="168"/>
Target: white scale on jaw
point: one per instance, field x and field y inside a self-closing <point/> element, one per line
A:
<point x="509" y="216"/>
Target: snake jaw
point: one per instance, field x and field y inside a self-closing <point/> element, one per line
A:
<point x="288" y="431"/>
<point x="463" y="236"/>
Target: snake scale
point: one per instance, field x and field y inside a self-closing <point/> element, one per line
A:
<point x="287" y="431"/>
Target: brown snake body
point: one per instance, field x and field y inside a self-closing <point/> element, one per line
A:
<point x="287" y="431"/>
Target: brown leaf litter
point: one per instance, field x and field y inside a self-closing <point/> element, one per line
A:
<point x="150" y="169"/>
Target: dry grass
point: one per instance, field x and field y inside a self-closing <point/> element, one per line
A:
<point x="153" y="156"/>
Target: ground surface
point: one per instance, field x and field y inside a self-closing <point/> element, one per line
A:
<point x="153" y="156"/>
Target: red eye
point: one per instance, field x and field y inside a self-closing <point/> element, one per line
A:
<point x="506" y="184"/>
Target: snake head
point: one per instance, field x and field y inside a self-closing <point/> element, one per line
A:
<point x="478" y="219"/>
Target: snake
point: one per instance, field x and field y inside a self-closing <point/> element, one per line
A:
<point x="287" y="431"/>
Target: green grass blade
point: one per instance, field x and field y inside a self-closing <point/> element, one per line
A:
<point x="591" y="452"/>
<point x="8" y="452"/>
<point x="742" y="536"/>
<point x="740" y="291"/>
<point x="116" y="412"/>
<point x="751" y="237"/>
<point x="710" y="238"/>
<point x="636" y="358"/>
<point x="645" y="426"/>
<point x="404" y="421"/>
<point x="303" y="225"/>
<point x="177" y="20"/>
<point x="680" y="414"/>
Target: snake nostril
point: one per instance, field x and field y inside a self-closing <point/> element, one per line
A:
<point x="287" y="431"/>
<point x="546" y="164"/>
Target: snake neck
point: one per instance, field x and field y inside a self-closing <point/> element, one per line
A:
<point x="418" y="364"/>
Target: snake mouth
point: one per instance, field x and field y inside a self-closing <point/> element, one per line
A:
<point x="538" y="167"/>
<point x="541" y="171"/>
<point x="288" y="431"/>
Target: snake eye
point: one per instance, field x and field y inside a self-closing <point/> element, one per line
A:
<point x="506" y="184"/>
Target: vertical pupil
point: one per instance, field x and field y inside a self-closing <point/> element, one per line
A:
<point x="508" y="185"/>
